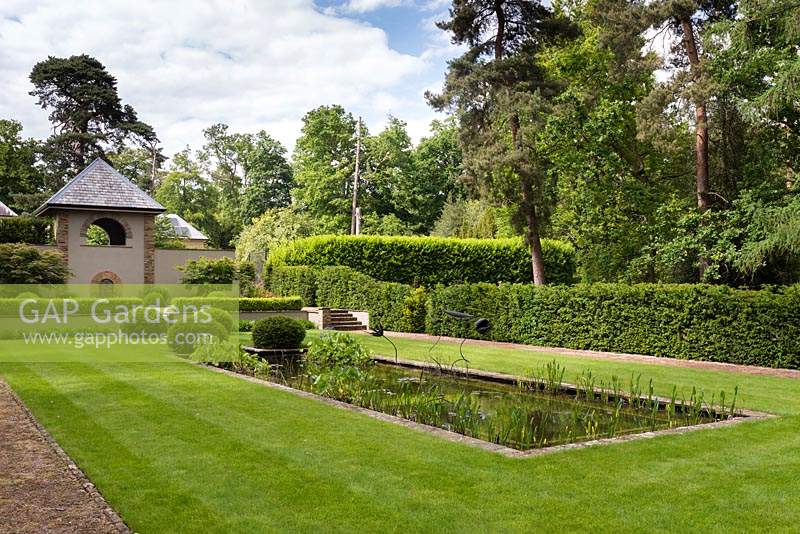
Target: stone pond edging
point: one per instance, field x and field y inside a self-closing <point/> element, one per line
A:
<point x="485" y="445"/>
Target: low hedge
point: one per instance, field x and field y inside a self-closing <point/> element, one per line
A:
<point x="699" y="322"/>
<point x="270" y="304"/>
<point x="10" y="307"/>
<point x="25" y="229"/>
<point x="428" y="261"/>
<point x="242" y="304"/>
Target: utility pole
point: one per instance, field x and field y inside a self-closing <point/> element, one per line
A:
<point x="355" y="213"/>
<point x="153" y="162"/>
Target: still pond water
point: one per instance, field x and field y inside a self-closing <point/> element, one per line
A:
<point x="517" y="416"/>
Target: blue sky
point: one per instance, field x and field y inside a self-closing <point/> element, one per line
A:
<point x="253" y="64"/>
<point x="404" y="23"/>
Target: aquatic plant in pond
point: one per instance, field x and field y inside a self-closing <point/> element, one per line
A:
<point x="228" y="355"/>
<point x="335" y="349"/>
<point x="539" y="410"/>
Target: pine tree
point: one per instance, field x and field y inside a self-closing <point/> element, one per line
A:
<point x="500" y="95"/>
<point x="85" y="109"/>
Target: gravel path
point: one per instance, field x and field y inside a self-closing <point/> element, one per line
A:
<point x="41" y="489"/>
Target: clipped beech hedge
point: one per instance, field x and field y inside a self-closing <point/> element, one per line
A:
<point x="428" y="261"/>
<point x="391" y="304"/>
<point x="295" y="280"/>
<point x="698" y="322"/>
<point x="343" y="287"/>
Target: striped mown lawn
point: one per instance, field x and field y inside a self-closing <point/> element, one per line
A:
<point x="178" y="448"/>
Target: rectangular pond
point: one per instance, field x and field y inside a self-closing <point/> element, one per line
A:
<point x="522" y="413"/>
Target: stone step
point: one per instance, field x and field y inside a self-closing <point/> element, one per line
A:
<point x="340" y="319"/>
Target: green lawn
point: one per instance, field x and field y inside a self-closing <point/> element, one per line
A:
<point x="175" y="447"/>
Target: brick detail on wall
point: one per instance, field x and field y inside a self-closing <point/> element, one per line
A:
<point x="107" y="215"/>
<point x="149" y="250"/>
<point x="106" y="275"/>
<point x="62" y="235"/>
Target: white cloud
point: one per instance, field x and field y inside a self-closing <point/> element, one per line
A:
<point x="435" y="5"/>
<point x="185" y="64"/>
<point x="365" y="6"/>
<point x="439" y="45"/>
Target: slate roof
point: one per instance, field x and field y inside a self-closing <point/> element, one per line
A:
<point x="184" y="229"/>
<point x="5" y="211"/>
<point x="100" y="186"/>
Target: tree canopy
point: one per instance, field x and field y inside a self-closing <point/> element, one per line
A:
<point x="660" y="138"/>
<point x="86" y="112"/>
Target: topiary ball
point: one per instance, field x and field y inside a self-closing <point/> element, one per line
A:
<point x="222" y="317"/>
<point x="184" y="337"/>
<point x="278" y="333"/>
<point x="153" y="298"/>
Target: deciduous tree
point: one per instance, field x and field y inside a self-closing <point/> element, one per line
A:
<point x="324" y="162"/>
<point x="21" y="182"/>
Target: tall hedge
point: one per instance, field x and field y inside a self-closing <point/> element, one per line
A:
<point x="295" y="280"/>
<point x="24" y="229"/>
<point x="699" y="322"/>
<point x="389" y="303"/>
<point x="429" y="261"/>
<point x="342" y="287"/>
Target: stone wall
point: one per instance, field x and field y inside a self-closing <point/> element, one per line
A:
<point x="149" y="250"/>
<point x="62" y="234"/>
